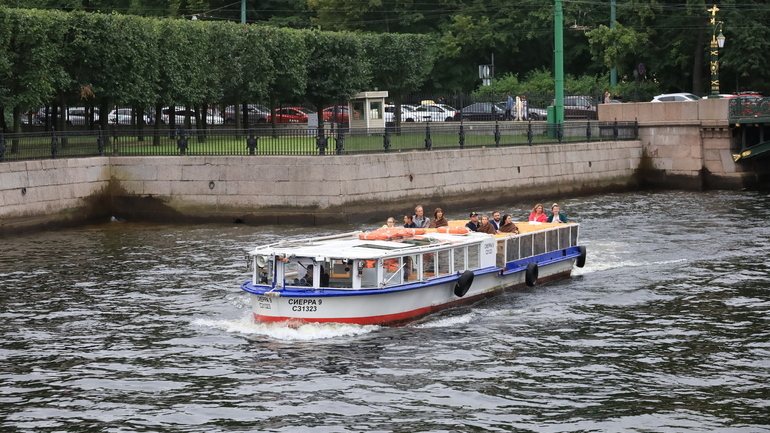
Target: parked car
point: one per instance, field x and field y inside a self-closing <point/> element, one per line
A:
<point x="290" y="115"/>
<point x="435" y="113"/>
<point x="481" y="111"/>
<point x="580" y="107"/>
<point x="79" y="116"/>
<point x="256" y="113"/>
<point x="122" y="116"/>
<point x="338" y="114"/>
<point x="180" y="113"/>
<point x="407" y="114"/>
<point x="668" y="97"/>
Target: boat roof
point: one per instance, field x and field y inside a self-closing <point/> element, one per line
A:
<point x="350" y="246"/>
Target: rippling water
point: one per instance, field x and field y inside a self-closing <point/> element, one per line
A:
<point x="143" y="328"/>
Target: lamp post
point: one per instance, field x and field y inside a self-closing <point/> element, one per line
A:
<point x="717" y="42"/>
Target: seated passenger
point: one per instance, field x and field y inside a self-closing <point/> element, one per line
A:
<point x="390" y="223"/>
<point x="308" y="275"/>
<point x="474" y="224"/>
<point x="557" y="217"/>
<point x="537" y="214"/>
<point x="508" y="226"/>
<point x="486" y="226"/>
<point x="408" y="222"/>
<point x="419" y="218"/>
<point x="438" y="219"/>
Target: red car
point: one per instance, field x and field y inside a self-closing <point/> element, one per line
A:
<point x="290" y="115"/>
<point x="341" y="115"/>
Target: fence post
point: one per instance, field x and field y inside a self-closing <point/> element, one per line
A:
<point x="588" y="131"/>
<point x="386" y="140"/>
<point x="497" y="135"/>
<point x="560" y="131"/>
<point x="2" y="147"/>
<point x="529" y="133"/>
<point x="615" y="129"/>
<point x="340" y="140"/>
<point x="462" y="136"/>
<point x="321" y="141"/>
<point x="99" y="140"/>
<point x="252" y="143"/>
<point x="181" y="142"/>
<point x="636" y="129"/>
<point x="428" y="141"/>
<point x="115" y="138"/>
<point x="54" y="144"/>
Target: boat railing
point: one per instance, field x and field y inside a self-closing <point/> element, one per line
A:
<point x="534" y="243"/>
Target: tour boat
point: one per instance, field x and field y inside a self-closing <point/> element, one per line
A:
<point x="395" y="276"/>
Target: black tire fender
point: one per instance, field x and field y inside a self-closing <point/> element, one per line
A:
<point x="464" y="283"/>
<point x="530" y="277"/>
<point x="581" y="260"/>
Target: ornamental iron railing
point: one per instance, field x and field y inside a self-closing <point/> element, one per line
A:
<point x="330" y="140"/>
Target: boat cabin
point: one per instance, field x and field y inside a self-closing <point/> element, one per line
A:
<point x="348" y="262"/>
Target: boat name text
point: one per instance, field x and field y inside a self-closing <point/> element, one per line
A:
<point x="305" y="305"/>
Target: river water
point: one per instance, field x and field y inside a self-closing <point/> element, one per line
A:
<point x="128" y="327"/>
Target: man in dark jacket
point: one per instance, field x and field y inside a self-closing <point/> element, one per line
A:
<point x="473" y="225"/>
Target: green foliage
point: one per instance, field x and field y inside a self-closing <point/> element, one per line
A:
<point x="336" y="67"/>
<point x="399" y="63"/>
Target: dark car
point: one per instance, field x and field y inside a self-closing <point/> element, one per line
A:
<point x="580" y="107"/>
<point x="481" y="111"/>
<point x="256" y="113"/>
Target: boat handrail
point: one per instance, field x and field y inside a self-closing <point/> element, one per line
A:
<point x="284" y="243"/>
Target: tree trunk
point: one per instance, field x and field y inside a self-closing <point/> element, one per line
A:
<point x="158" y="121"/>
<point x="697" y="66"/>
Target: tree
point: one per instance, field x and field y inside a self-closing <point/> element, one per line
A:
<point x="399" y="64"/>
<point x="336" y="68"/>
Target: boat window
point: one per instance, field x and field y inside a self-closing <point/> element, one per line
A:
<point x="340" y="273"/>
<point x="442" y="262"/>
<point x="296" y="273"/>
<point x="367" y="271"/>
<point x="429" y="265"/>
<point x="265" y="273"/>
<point x="525" y="249"/>
<point x="459" y="259"/>
<point x="291" y="273"/>
<point x="391" y="271"/>
<point x="473" y="256"/>
<point x="513" y="249"/>
<point x="552" y="240"/>
<point x="539" y="243"/>
<point x="411" y="270"/>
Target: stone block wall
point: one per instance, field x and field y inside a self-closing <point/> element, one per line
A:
<point x="304" y="189"/>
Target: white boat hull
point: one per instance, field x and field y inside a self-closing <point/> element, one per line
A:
<point x="394" y="306"/>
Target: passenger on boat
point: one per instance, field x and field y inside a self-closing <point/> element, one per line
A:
<point x="537" y="214"/>
<point x="557" y="216"/>
<point x="438" y="219"/>
<point x="473" y="224"/>
<point x="508" y="225"/>
<point x="420" y="221"/>
<point x="389" y="223"/>
<point x="486" y="226"/>
<point x="408" y="223"/>
<point x="309" y="275"/>
<point x="496" y="221"/>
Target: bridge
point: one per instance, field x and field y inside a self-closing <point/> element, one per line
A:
<point x="750" y="115"/>
<point x="710" y="143"/>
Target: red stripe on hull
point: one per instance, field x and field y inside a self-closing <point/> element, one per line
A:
<point x="407" y="316"/>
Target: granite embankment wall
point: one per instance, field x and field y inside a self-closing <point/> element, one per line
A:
<point x="308" y="189"/>
<point x="686" y="145"/>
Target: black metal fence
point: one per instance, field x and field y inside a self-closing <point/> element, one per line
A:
<point x="330" y="140"/>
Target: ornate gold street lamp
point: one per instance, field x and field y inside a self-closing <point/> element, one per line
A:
<point x="717" y="42"/>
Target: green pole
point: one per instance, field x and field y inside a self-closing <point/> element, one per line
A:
<point x="243" y="11"/>
<point x="614" y="72"/>
<point x="558" y="31"/>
